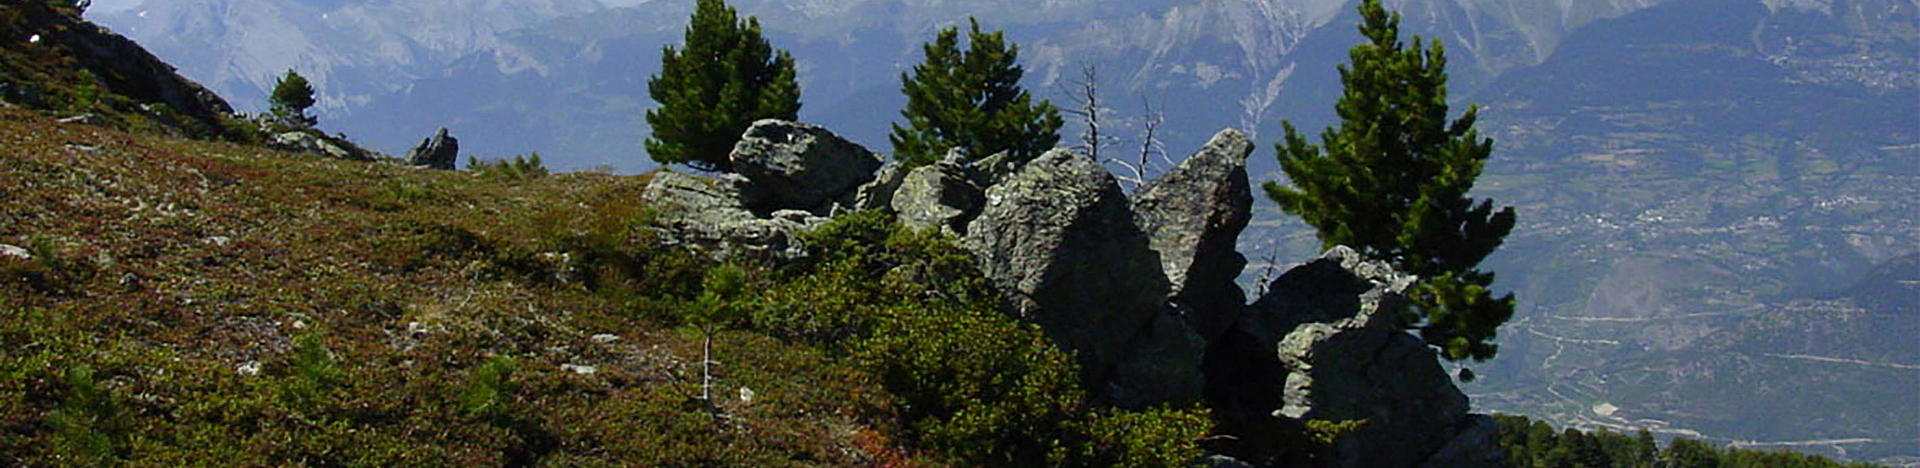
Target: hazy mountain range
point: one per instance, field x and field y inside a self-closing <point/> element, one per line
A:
<point x="1705" y="186"/>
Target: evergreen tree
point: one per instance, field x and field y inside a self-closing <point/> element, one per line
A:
<point x="971" y="100"/>
<point x="716" y="85"/>
<point x="1391" y="181"/>
<point x="292" y="96"/>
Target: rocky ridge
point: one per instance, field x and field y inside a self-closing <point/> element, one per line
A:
<point x="1140" y="286"/>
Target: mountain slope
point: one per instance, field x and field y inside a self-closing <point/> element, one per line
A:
<point x="1690" y="189"/>
<point x="54" y="61"/>
<point x="352" y="50"/>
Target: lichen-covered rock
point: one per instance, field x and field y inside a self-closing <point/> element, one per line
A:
<point x="439" y="151"/>
<point x="993" y="169"/>
<point x="708" y="214"/>
<point x="937" y="196"/>
<point x="1058" y="236"/>
<point x="800" y="166"/>
<point x="311" y="144"/>
<point x="1194" y="215"/>
<point x="1323" y="344"/>
<point x="878" y="193"/>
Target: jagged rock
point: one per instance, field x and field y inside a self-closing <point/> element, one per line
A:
<point x="937" y="196"/>
<point x="878" y="193"/>
<point x="312" y="144"/>
<point x="709" y="214"/>
<point x="1323" y="344"/>
<point x="800" y="166"/>
<point x="1058" y="236"/>
<point x="439" y="151"/>
<point x="1194" y="215"/>
<point x="994" y="169"/>
<point x="1477" y="446"/>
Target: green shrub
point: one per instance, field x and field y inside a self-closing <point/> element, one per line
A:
<point x="485" y="395"/>
<point x="972" y="385"/>
<point x="311" y="372"/>
<point x="518" y="168"/>
<point x="87" y="427"/>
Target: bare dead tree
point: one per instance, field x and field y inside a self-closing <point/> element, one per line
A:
<point x="1267" y="273"/>
<point x="1085" y="94"/>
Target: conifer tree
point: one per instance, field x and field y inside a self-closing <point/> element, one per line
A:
<point x="292" y="96"/>
<point x="1391" y="179"/>
<point x="716" y="85"/>
<point x="971" y="99"/>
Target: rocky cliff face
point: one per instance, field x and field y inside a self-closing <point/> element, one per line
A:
<point x="52" y="59"/>
<point x="1140" y="287"/>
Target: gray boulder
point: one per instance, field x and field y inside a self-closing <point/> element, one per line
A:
<point x="878" y="193"/>
<point x="309" y="143"/>
<point x="1194" y="215"/>
<point x="1323" y="345"/>
<point x="1059" y="237"/>
<point x="937" y="196"/>
<point x="993" y="169"/>
<point x="708" y="214"/>
<point x="439" y="151"/>
<point x="800" y="166"/>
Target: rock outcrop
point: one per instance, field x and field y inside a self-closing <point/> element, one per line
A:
<point x="790" y="175"/>
<point x="709" y="215"/>
<point x="305" y="142"/>
<point x="1323" y="344"/>
<point x="48" y="48"/>
<point x="939" y="195"/>
<point x="439" y="151"/>
<point x="800" y="166"/>
<point x="1059" y="236"/>
<point x="1194" y="215"/>
<point x="1143" y="290"/>
<point x="878" y="193"/>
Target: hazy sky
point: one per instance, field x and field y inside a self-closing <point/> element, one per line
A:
<point x="109" y="6"/>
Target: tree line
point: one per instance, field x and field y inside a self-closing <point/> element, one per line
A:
<point x="1526" y="443"/>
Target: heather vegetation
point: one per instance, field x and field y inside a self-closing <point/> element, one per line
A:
<point x="193" y="303"/>
<point x="190" y="302"/>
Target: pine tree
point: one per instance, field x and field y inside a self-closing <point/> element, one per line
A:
<point x="1391" y="179"/>
<point x="971" y="100"/>
<point x="716" y="85"/>
<point x="292" y="95"/>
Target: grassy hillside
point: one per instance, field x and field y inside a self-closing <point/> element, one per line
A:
<point x="366" y="297"/>
<point x="186" y="303"/>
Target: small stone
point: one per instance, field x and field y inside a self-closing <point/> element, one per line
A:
<point x="746" y="395"/>
<point x="417" y="328"/>
<point x="579" y="369"/>
<point x="605" y="338"/>
<point x="218" y="241"/>
<point x="249" y="368"/>
<point x="84" y="119"/>
<point x="15" y="252"/>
